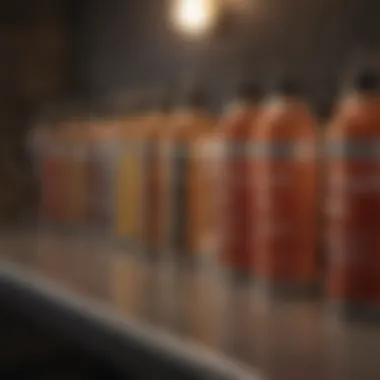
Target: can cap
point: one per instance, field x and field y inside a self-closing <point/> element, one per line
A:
<point x="165" y="100"/>
<point x="288" y="87"/>
<point x="195" y="97"/>
<point x="249" y="92"/>
<point x="367" y="81"/>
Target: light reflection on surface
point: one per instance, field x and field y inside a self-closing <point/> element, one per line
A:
<point x="283" y="339"/>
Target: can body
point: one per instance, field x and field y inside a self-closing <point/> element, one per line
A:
<point x="202" y="197"/>
<point x="101" y="185"/>
<point x="179" y="179"/>
<point x="237" y="222"/>
<point x="179" y="182"/>
<point x="52" y="184"/>
<point x="286" y="197"/>
<point x="76" y="186"/>
<point x="173" y="205"/>
<point x="236" y="186"/>
<point x="150" y="196"/>
<point x="128" y="192"/>
<point x="353" y="207"/>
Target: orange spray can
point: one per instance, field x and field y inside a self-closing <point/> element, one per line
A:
<point x="52" y="177"/>
<point x="102" y="163"/>
<point x="128" y="181"/>
<point x="76" y="165"/>
<point x="236" y="211"/>
<point x="178" y="175"/>
<point x="150" y="217"/>
<point x="353" y="169"/>
<point x="286" y="193"/>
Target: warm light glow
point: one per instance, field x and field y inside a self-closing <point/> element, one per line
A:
<point x="195" y="16"/>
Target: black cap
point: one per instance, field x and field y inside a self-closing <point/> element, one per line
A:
<point x="141" y="103"/>
<point x="165" y="100"/>
<point x="367" y="81"/>
<point x="195" y="97"/>
<point x="249" y="92"/>
<point x="288" y="87"/>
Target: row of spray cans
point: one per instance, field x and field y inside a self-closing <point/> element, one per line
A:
<point x="300" y="208"/>
<point x="275" y="199"/>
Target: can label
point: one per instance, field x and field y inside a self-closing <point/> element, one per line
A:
<point x="237" y="223"/>
<point x="179" y="190"/>
<point x="203" y="191"/>
<point x="149" y="196"/>
<point x="54" y="183"/>
<point x="128" y="192"/>
<point x="102" y="180"/>
<point x="286" y="198"/>
<point x="353" y="209"/>
<point x="52" y="187"/>
<point x="76" y="185"/>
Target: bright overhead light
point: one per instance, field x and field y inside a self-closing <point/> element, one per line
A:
<point x="195" y="17"/>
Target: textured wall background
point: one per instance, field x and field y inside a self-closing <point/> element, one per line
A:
<point x="59" y="50"/>
<point x="33" y="66"/>
<point x="129" y="43"/>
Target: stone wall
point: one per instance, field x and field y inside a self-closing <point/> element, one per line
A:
<point x="33" y="68"/>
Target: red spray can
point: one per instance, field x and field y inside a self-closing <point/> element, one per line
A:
<point x="235" y="209"/>
<point x="353" y="169"/>
<point x="286" y="193"/>
<point x="52" y="178"/>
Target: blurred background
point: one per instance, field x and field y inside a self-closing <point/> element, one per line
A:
<point x="88" y="57"/>
<point x="68" y="51"/>
<point x="62" y="51"/>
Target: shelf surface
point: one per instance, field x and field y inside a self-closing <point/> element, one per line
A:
<point x="194" y="324"/>
<point x="103" y="320"/>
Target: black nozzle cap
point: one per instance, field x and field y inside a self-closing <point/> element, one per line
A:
<point x="166" y="100"/>
<point x="140" y="104"/>
<point x="288" y="87"/>
<point x="367" y="81"/>
<point x="195" y="97"/>
<point x="249" y="92"/>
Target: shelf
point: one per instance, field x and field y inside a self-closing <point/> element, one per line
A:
<point x="213" y="327"/>
<point x="128" y="344"/>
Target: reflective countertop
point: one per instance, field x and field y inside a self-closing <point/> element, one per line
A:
<point x="281" y="340"/>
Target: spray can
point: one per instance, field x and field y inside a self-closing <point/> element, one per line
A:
<point x="150" y="216"/>
<point x="236" y="172"/>
<point x="180" y="195"/>
<point x="77" y="142"/>
<point x="129" y="178"/>
<point x="101" y="175"/>
<point x="52" y="178"/>
<point x="286" y="193"/>
<point x="179" y="192"/>
<point x="353" y="243"/>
